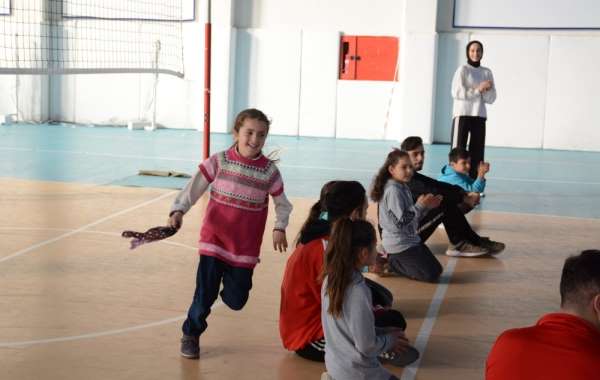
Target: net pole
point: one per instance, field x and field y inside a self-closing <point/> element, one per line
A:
<point x="17" y="80"/>
<point x="155" y="100"/>
<point x="207" y="51"/>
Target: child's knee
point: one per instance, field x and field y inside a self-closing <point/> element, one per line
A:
<point x="431" y="275"/>
<point x="235" y="300"/>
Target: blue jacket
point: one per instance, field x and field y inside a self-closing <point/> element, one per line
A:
<point x="451" y="176"/>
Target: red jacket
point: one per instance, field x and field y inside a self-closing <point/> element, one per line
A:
<point x="559" y="346"/>
<point x="300" y="311"/>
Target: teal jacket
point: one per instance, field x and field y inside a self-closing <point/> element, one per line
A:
<point x="452" y="177"/>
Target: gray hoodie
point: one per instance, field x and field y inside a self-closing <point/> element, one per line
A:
<point x="352" y="341"/>
<point x="399" y="217"/>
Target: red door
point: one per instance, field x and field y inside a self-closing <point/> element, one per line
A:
<point x="368" y="58"/>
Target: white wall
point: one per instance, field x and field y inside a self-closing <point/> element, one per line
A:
<point x="418" y="54"/>
<point x="282" y="56"/>
<point x="572" y="112"/>
<point x="374" y="17"/>
<point x="268" y="75"/>
<point x="545" y="81"/>
<point x="287" y="64"/>
<point x="527" y="14"/>
<point x="418" y="82"/>
<point x="517" y="116"/>
<point x="318" y="83"/>
<point x="361" y="109"/>
<point x="449" y="58"/>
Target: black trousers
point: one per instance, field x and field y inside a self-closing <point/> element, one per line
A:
<point x="457" y="226"/>
<point x="237" y="283"/>
<point x="471" y="129"/>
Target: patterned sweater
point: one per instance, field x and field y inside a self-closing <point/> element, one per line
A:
<point x="236" y="214"/>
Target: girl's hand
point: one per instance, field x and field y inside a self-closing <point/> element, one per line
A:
<point x="175" y="220"/>
<point x="430" y="201"/>
<point x="279" y="241"/>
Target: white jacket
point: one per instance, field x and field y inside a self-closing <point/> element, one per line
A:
<point x="468" y="101"/>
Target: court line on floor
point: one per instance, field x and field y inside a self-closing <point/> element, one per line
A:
<point x="534" y="214"/>
<point x="102" y="333"/>
<point x="99" y="334"/>
<point x="82" y="228"/>
<point x="142" y="157"/>
<point x="116" y="234"/>
<point x="410" y="372"/>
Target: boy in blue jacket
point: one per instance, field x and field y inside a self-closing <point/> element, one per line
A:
<point x="457" y="171"/>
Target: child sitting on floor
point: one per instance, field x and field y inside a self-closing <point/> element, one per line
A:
<point x="457" y="171"/>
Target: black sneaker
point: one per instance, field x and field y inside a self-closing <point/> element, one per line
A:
<point x="467" y="249"/>
<point x="400" y="359"/>
<point x="190" y="347"/>
<point x="495" y="247"/>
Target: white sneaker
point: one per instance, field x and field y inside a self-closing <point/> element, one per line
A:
<point x="466" y="249"/>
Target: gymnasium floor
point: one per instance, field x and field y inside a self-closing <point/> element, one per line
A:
<point x="77" y="303"/>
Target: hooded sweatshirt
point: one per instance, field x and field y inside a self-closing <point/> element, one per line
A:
<point x="399" y="217"/>
<point x="451" y="176"/>
<point x="354" y="347"/>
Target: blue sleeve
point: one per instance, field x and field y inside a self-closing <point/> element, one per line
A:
<point x="471" y="185"/>
<point x="465" y="182"/>
<point x="478" y="185"/>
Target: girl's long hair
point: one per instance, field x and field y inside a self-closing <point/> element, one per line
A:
<point x="315" y="210"/>
<point x="338" y="199"/>
<point x="342" y="256"/>
<point x="343" y="198"/>
<point x="383" y="175"/>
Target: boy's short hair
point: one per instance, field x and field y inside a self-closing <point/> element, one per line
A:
<point x="580" y="280"/>
<point x="458" y="154"/>
<point x="411" y="143"/>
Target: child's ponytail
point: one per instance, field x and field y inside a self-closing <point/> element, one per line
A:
<point x="342" y="256"/>
<point x="316" y="209"/>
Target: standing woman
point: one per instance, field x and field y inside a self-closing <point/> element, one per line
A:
<point x="472" y="87"/>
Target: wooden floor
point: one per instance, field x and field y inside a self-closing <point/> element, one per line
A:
<point x="76" y="303"/>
